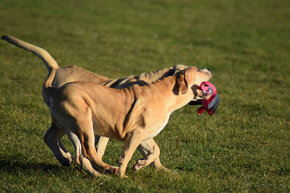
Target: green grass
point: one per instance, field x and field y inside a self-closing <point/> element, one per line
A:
<point x="244" y="147"/>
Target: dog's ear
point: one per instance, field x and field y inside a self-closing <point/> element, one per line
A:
<point x="182" y="82"/>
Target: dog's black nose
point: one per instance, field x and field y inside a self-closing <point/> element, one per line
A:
<point x="208" y="69"/>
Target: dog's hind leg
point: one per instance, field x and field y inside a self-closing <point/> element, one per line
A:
<point x="52" y="139"/>
<point x="152" y="157"/>
<point x="79" y="158"/>
<point x="101" y="144"/>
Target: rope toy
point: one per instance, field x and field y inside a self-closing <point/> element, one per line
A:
<point x="210" y="104"/>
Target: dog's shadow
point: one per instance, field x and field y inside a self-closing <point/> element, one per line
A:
<point x="12" y="165"/>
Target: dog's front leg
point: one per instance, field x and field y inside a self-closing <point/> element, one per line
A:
<point x="152" y="157"/>
<point x="131" y="143"/>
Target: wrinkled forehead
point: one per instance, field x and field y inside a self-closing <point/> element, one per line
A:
<point x="178" y="68"/>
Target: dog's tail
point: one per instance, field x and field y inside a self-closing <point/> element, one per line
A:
<point x="49" y="62"/>
<point x="47" y="89"/>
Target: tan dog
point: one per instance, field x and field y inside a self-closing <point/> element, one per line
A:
<point x="133" y="115"/>
<point x="73" y="73"/>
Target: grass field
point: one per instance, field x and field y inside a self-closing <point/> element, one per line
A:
<point x="244" y="147"/>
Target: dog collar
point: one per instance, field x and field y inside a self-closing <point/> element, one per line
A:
<point x="210" y="104"/>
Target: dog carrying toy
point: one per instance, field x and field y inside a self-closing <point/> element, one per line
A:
<point x="210" y="104"/>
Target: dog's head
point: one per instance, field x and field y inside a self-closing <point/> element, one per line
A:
<point x="188" y="81"/>
<point x="187" y="85"/>
<point x="191" y="86"/>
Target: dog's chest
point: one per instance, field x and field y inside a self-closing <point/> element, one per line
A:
<point x="158" y="129"/>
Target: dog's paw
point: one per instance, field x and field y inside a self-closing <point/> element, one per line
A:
<point x="116" y="172"/>
<point x="159" y="166"/>
<point x="112" y="170"/>
<point x="123" y="176"/>
<point x="137" y="167"/>
<point x="66" y="162"/>
<point x="139" y="164"/>
<point x="119" y="161"/>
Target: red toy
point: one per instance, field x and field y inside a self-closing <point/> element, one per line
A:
<point x="210" y="104"/>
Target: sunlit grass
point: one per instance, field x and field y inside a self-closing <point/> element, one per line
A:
<point x="243" y="147"/>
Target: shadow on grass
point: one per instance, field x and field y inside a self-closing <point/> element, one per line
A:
<point x="10" y="164"/>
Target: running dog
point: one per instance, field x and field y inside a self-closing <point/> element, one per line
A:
<point x="133" y="115"/>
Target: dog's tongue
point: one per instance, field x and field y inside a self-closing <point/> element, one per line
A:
<point x="210" y="104"/>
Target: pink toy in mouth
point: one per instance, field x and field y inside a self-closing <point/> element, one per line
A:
<point x="211" y="102"/>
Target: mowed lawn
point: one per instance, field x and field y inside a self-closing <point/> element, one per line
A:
<point x="244" y="147"/>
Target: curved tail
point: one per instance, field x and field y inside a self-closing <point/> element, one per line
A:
<point x="49" y="62"/>
<point x="47" y="89"/>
